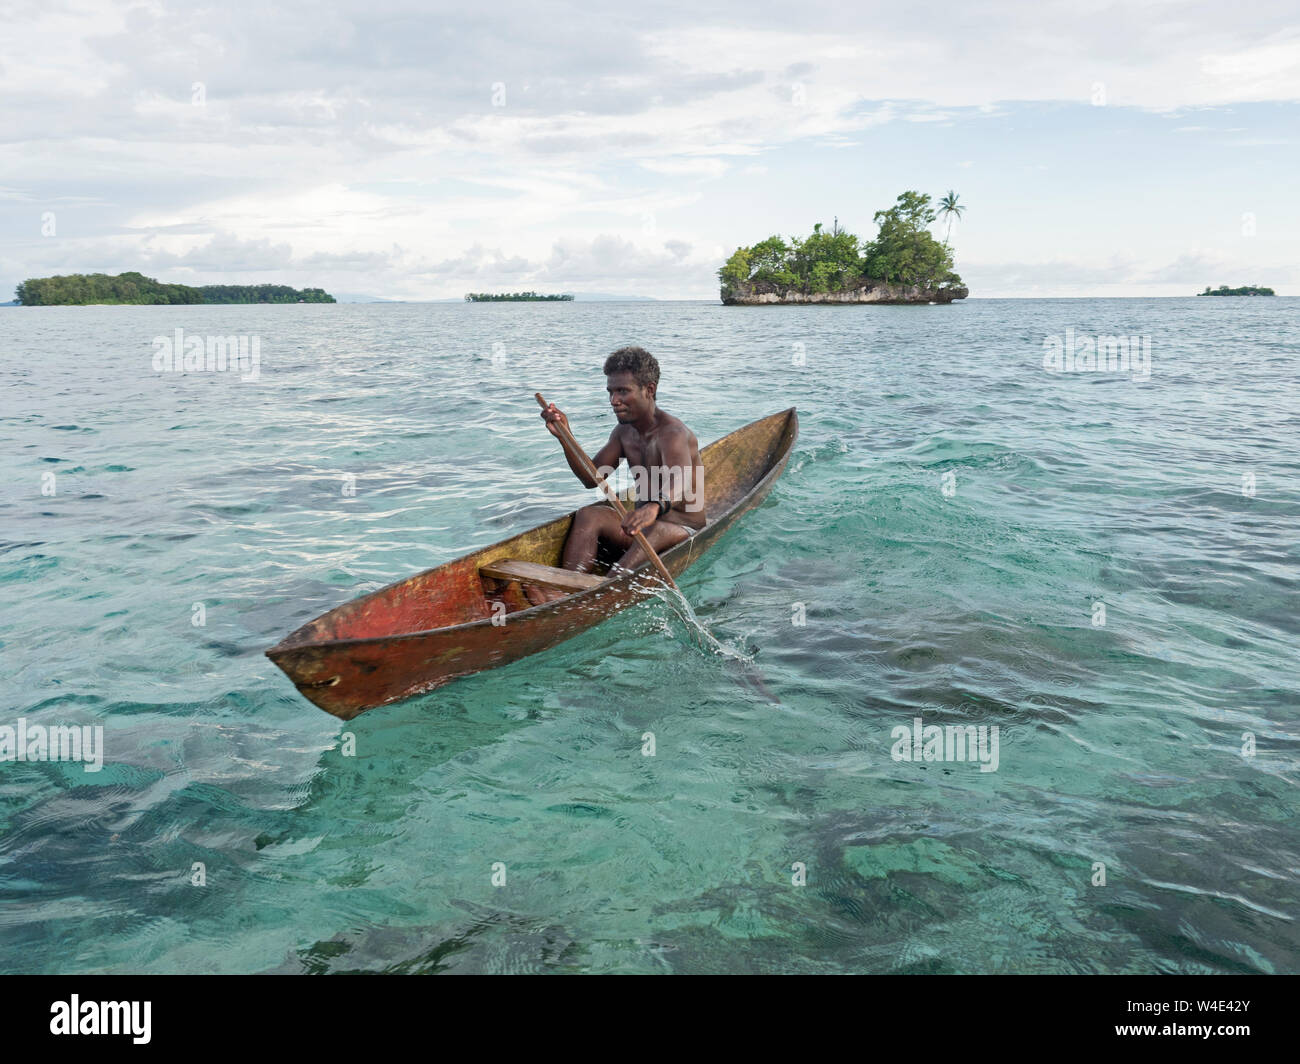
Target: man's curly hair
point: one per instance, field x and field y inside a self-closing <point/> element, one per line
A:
<point x="637" y="361"/>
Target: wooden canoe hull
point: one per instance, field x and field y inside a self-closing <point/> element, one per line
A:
<point x="427" y="630"/>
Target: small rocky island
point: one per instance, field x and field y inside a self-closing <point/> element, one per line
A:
<point x="1245" y="290"/>
<point x="904" y="264"/>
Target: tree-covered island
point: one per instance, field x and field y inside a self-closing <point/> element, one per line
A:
<point x="1245" y="290"/>
<point x="80" y="289"/>
<point x="903" y="264"/>
<point x="514" y="297"/>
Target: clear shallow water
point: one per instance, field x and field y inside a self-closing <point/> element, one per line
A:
<point x="1118" y="744"/>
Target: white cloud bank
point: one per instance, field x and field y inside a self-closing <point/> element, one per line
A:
<point x="385" y="146"/>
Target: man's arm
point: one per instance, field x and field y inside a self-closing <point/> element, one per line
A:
<point x="606" y="460"/>
<point x="607" y="457"/>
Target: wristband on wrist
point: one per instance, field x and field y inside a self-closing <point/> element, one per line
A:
<point x="662" y="505"/>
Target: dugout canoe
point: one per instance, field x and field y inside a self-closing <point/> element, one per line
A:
<point x="471" y="614"/>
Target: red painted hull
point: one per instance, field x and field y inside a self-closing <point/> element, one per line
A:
<point x="424" y="631"/>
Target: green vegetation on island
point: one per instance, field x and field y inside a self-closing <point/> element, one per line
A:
<point x="513" y="297"/>
<point x="263" y="293"/>
<point x="80" y="289"/>
<point x="1245" y="290"/>
<point x="903" y="253"/>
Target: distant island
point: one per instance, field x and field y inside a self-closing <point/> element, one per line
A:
<point x="904" y="264"/>
<point x="1246" y="290"/>
<point x="82" y="289"/>
<point x="513" y="297"/>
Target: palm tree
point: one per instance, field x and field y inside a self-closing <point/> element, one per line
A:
<point x="947" y="209"/>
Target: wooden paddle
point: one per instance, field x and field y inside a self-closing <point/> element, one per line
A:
<point x="588" y="467"/>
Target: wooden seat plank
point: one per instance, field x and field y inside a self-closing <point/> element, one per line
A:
<point x="539" y="575"/>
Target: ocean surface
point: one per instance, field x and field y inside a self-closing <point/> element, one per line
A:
<point x="1105" y="569"/>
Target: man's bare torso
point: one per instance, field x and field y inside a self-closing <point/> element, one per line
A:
<point x="646" y="451"/>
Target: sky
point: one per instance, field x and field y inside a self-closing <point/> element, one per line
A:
<point x="420" y="150"/>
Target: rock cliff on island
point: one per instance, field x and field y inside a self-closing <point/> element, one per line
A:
<point x="748" y="294"/>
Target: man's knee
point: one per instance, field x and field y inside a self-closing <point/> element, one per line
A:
<point x="603" y="521"/>
<point x="661" y="536"/>
<point x="590" y="515"/>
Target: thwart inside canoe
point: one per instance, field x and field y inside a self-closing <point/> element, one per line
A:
<point x="459" y="593"/>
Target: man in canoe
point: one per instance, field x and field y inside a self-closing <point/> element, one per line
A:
<point x="664" y="457"/>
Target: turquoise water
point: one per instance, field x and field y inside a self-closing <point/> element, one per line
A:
<point x="962" y="599"/>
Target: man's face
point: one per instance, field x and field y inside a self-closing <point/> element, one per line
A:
<point x="627" y="398"/>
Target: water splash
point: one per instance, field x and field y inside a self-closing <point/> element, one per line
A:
<point x="740" y="665"/>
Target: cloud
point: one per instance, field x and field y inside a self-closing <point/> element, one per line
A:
<point x="607" y="257"/>
<point x="1269" y="70"/>
<point x="688" y="167"/>
<point x="401" y="140"/>
<point x="1122" y="274"/>
<point x="1192" y="267"/>
<point x="224" y="251"/>
<point x="477" y="262"/>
